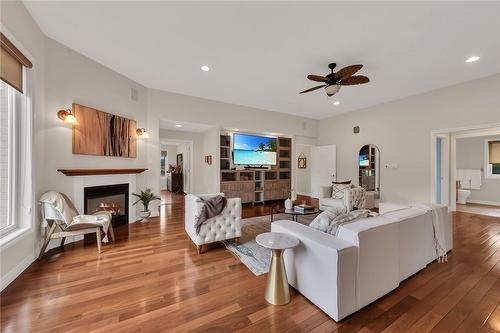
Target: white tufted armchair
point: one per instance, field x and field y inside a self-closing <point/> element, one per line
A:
<point x="222" y="227"/>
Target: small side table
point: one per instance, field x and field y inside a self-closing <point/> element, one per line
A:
<point x="277" y="290"/>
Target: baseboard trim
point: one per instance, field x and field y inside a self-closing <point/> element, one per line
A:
<point x="16" y="271"/>
<point x="482" y="202"/>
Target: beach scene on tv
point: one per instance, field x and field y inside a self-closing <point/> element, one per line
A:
<point x="254" y="150"/>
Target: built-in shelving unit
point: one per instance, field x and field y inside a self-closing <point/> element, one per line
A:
<point x="256" y="185"/>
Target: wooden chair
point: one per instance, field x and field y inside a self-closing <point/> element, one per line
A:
<point x="55" y="220"/>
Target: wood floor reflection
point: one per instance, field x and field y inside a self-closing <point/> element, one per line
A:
<point x="152" y="279"/>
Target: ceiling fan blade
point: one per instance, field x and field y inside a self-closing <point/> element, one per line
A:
<point x="317" y="78"/>
<point x="348" y="71"/>
<point x="356" y="79"/>
<point x="313" y="88"/>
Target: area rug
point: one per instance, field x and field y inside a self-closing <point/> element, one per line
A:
<point x="251" y="254"/>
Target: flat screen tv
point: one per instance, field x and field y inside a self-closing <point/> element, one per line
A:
<point x="363" y="160"/>
<point x="254" y="150"/>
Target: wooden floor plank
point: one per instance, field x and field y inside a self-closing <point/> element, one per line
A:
<point x="152" y="279"/>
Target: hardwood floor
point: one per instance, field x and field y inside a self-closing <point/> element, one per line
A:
<point x="479" y="209"/>
<point x="152" y="279"/>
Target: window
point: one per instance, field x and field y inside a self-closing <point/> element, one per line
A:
<point x="16" y="122"/>
<point x="16" y="197"/>
<point x="492" y="161"/>
<point x="7" y="156"/>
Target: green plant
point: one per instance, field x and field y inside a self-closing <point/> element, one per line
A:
<point x="145" y="197"/>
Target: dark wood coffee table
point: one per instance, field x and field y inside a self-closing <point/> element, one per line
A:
<point x="293" y="212"/>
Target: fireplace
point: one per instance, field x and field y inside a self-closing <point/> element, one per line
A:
<point x="113" y="198"/>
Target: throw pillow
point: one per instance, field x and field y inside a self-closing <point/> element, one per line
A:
<point x="346" y="218"/>
<point x="338" y="190"/>
<point x="323" y="220"/>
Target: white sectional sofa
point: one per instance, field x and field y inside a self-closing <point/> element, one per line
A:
<point x="366" y="260"/>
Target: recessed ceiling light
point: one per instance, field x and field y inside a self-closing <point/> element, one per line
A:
<point x="336" y="103"/>
<point x="473" y="59"/>
<point x="205" y="68"/>
<point x="178" y="125"/>
<point x="236" y="129"/>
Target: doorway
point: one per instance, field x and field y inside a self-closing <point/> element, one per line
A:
<point x="176" y="154"/>
<point x="450" y="166"/>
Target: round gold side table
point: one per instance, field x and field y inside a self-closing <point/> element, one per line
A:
<point x="277" y="290"/>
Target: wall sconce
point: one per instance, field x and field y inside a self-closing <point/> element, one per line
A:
<point x="66" y="116"/>
<point x="142" y="132"/>
<point x="208" y="159"/>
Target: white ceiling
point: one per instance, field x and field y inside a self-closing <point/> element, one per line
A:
<point x="261" y="52"/>
<point x="185" y="126"/>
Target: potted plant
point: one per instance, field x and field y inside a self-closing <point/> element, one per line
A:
<point x="145" y="197"/>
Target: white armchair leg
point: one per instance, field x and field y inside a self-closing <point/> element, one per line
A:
<point x="111" y="232"/>
<point x="98" y="237"/>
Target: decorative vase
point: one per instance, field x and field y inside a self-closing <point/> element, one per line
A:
<point x="145" y="214"/>
<point x="288" y="203"/>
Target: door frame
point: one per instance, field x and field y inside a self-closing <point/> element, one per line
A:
<point x="446" y="163"/>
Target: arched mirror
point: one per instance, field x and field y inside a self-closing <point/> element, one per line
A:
<point x="369" y="172"/>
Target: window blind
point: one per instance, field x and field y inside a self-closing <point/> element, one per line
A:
<point x="494" y="147"/>
<point x="11" y="63"/>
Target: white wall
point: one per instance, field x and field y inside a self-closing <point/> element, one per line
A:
<point x="470" y="155"/>
<point x="303" y="176"/>
<point x="210" y="173"/>
<point x="402" y="131"/>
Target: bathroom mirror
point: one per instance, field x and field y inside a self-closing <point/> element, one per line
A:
<point x="369" y="170"/>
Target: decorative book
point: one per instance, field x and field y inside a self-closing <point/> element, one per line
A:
<point x="303" y="208"/>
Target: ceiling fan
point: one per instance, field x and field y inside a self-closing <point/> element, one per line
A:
<point x="333" y="81"/>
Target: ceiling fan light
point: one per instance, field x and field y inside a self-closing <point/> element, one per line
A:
<point x="332" y="89"/>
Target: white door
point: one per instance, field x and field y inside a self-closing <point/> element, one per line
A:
<point x="323" y="168"/>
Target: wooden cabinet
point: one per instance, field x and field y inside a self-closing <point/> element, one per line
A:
<point x="239" y="189"/>
<point x="276" y="189"/>
<point x="175" y="182"/>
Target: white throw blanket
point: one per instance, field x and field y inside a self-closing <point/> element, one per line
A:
<point x="69" y="214"/>
<point x="438" y="223"/>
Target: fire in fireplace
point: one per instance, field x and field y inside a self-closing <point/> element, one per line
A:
<point x="112" y="198"/>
